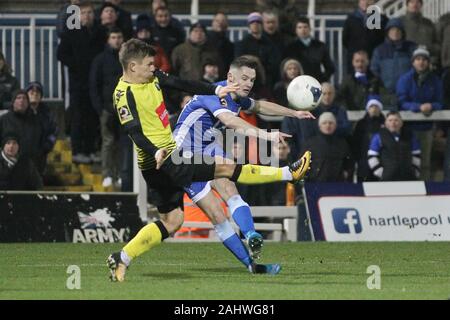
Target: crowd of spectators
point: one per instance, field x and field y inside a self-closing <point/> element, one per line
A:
<point x="402" y="66"/>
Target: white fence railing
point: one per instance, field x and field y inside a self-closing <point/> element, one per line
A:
<point x="432" y="9"/>
<point x="29" y="43"/>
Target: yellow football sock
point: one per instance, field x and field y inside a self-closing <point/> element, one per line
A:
<point x="147" y="238"/>
<point x="253" y="174"/>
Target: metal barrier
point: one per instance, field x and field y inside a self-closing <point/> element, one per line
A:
<point x="29" y="43"/>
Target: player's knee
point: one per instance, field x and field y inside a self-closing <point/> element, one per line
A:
<point x="173" y="220"/>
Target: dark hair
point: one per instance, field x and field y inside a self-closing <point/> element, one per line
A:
<point x="114" y="29"/>
<point x="86" y="3"/>
<point x="393" y="113"/>
<point x="302" y="19"/>
<point x="362" y="53"/>
<point x="240" y="62"/>
<point x="161" y="9"/>
<point x="134" y="49"/>
<point x="408" y="1"/>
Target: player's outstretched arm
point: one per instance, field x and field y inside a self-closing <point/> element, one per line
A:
<point x="273" y="109"/>
<point x="192" y="86"/>
<point x="243" y="127"/>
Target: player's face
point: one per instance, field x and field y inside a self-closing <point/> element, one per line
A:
<point x="11" y="148"/>
<point x="393" y="123"/>
<point x="245" y="78"/>
<point x="144" y="69"/>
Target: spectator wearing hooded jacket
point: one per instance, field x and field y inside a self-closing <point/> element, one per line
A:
<point x="392" y="58"/>
<point x="365" y="128"/>
<point x="47" y="120"/>
<point x="17" y="172"/>
<point x="420" y="90"/>
<point x="394" y="152"/>
<point x="21" y="120"/>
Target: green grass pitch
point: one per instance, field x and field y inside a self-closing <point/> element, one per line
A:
<point x="207" y="271"/>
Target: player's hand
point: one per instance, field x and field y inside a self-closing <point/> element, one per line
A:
<point x="160" y="156"/>
<point x="303" y="115"/>
<point x="223" y="91"/>
<point x="278" y="136"/>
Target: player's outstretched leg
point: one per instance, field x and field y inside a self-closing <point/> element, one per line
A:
<point x="255" y="174"/>
<point x="148" y="237"/>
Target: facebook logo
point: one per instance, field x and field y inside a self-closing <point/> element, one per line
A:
<point x="346" y="220"/>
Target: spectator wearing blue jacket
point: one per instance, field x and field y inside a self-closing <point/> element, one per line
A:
<point x="420" y="90"/>
<point x="392" y="58"/>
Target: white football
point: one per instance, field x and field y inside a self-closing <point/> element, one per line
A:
<point x="304" y="93"/>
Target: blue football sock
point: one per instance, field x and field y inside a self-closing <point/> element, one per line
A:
<point x="232" y="242"/>
<point x="240" y="211"/>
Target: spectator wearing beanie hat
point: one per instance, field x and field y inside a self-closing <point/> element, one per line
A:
<point x="420" y="90"/>
<point x="46" y="119"/>
<point x="332" y="157"/>
<point x="25" y="124"/>
<point x="16" y="172"/>
<point x="364" y="130"/>
<point x="257" y="44"/>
